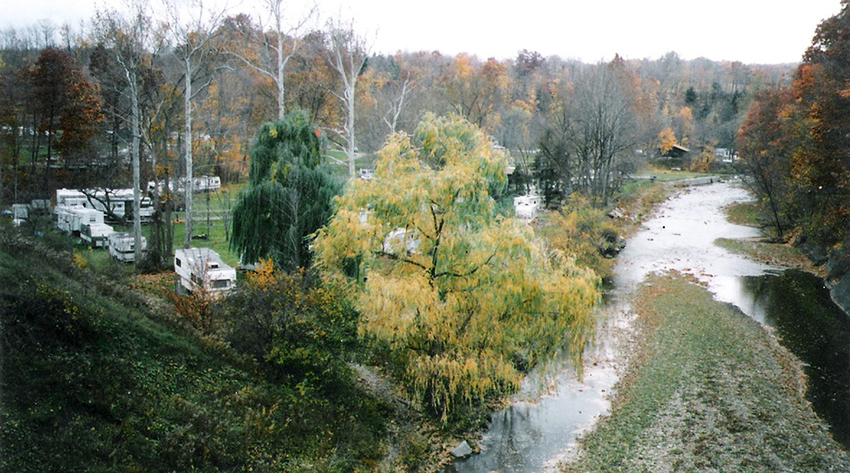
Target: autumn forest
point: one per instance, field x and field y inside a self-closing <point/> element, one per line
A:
<point x="395" y="294"/>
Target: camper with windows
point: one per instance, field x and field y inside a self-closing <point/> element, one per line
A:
<point x="122" y="246"/>
<point x="202" y="269"/>
<point x="71" y="219"/>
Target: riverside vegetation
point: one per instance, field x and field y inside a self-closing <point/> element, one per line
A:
<point x="105" y="369"/>
<point x="101" y="371"/>
<point x="706" y="388"/>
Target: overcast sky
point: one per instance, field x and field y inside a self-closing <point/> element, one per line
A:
<point x="751" y="31"/>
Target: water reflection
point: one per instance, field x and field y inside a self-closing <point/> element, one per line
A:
<point x="798" y="307"/>
<point x="537" y="430"/>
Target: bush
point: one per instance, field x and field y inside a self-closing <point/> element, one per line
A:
<point x="293" y="328"/>
<point x="582" y="230"/>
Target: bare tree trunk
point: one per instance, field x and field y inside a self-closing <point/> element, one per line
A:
<point x="135" y="119"/>
<point x="189" y="184"/>
<point x="349" y="53"/>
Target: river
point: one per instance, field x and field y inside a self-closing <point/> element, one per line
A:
<point x="541" y="427"/>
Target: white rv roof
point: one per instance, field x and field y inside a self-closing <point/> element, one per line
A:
<point x="207" y="254"/>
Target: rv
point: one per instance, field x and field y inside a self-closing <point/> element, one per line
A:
<point x="207" y="183"/>
<point x="202" y="268"/>
<point x="71" y="219"/>
<point x="20" y="213"/>
<point x="120" y="202"/>
<point x="526" y="206"/>
<point x="122" y="246"/>
<point x="70" y="198"/>
<point x="117" y="202"/>
<point x="96" y="234"/>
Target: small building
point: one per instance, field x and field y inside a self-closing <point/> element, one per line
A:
<point x="676" y="152"/>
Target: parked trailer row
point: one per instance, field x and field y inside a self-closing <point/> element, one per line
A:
<point x="117" y="202"/>
<point x="88" y="224"/>
<point x="197" y="268"/>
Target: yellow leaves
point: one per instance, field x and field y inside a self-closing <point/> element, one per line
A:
<point x="80" y="260"/>
<point x="462" y="65"/>
<point x="474" y="375"/>
<point x="264" y="274"/>
<point x="666" y="140"/>
<point x="477" y="300"/>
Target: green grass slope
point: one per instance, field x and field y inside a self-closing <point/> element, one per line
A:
<point x="96" y="376"/>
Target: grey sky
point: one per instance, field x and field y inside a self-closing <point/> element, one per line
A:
<point x="751" y="31"/>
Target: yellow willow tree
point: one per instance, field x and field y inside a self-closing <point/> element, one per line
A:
<point x="466" y="299"/>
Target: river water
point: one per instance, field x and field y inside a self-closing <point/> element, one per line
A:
<point x="541" y="427"/>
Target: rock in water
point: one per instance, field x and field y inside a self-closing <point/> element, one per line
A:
<point x="462" y="450"/>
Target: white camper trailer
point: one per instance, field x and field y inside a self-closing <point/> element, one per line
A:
<point x="207" y="183"/>
<point x="120" y="202"/>
<point x="96" y="234"/>
<point x="203" y="268"/>
<point x="526" y="206"/>
<point x="122" y="246"/>
<point x="70" y="198"/>
<point x="72" y="219"/>
<point x="20" y="214"/>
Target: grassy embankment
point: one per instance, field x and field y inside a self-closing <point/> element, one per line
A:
<point x="708" y="389"/>
<point x="98" y="376"/>
<point x="762" y="250"/>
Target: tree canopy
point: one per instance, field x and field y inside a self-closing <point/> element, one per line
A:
<point x="795" y="142"/>
<point x="467" y="299"/>
<point x="288" y="196"/>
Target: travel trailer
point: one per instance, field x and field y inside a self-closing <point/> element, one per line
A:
<point x="207" y="183"/>
<point x="202" y="268"/>
<point x="20" y="213"/>
<point x="122" y="246"/>
<point x="70" y="198"/>
<point x="71" y="219"/>
<point x="526" y="206"/>
<point x="118" y="201"/>
<point x="96" y="234"/>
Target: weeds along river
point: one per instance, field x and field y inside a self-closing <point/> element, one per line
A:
<point x="541" y="426"/>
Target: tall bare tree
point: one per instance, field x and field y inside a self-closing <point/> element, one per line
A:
<point x="594" y="128"/>
<point x="192" y="29"/>
<point x="130" y="39"/>
<point x="348" y="53"/>
<point x="280" y="36"/>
